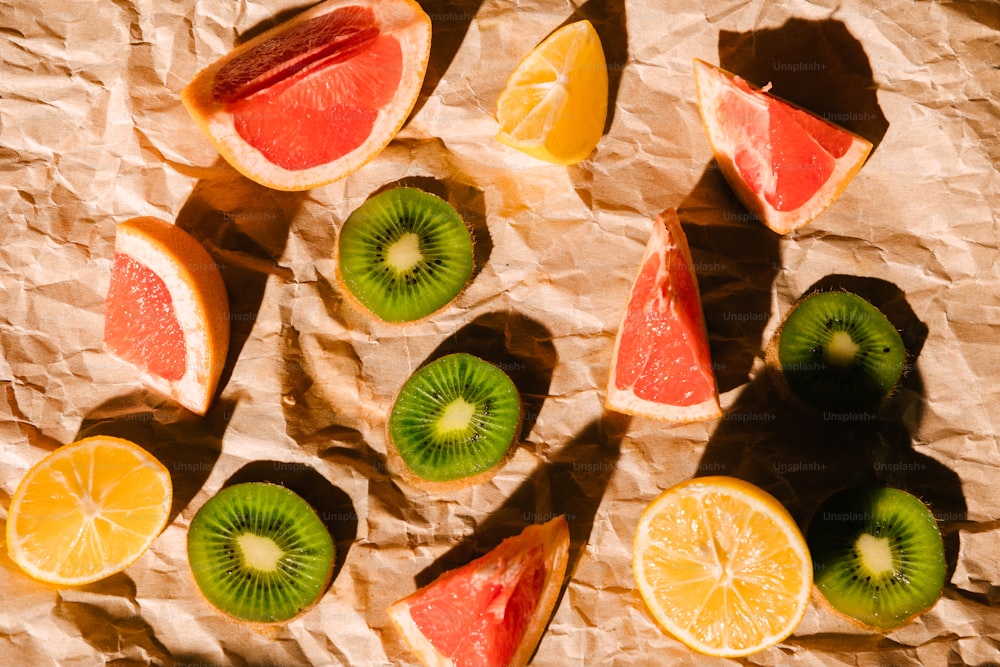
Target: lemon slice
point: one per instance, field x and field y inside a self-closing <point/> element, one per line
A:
<point x="556" y="101"/>
<point x="87" y="510"/>
<point x="722" y="566"/>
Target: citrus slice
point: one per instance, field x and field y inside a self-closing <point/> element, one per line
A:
<point x="87" y="510"/>
<point x="167" y="312"/>
<point x="556" y="101"/>
<point x="785" y="164"/>
<point x="492" y="611"/>
<point x="722" y="566"/>
<point x="317" y="97"/>
<point x="660" y="364"/>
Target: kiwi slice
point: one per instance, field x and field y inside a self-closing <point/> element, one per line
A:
<point x="878" y="556"/>
<point x="837" y="352"/>
<point x="455" y="420"/>
<point x="259" y="553"/>
<point x="404" y="254"/>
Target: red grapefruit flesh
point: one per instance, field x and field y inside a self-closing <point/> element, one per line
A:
<point x="785" y="164"/>
<point x="661" y="366"/>
<point x="492" y="611"/>
<point x="314" y="99"/>
<point x="167" y="311"/>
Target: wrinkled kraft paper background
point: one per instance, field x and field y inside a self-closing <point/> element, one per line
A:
<point x="92" y="133"/>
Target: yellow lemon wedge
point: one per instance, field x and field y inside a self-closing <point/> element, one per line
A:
<point x="722" y="566"/>
<point x="556" y="101"/>
<point x="88" y="510"/>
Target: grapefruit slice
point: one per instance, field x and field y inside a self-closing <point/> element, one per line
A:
<point x="492" y="611"/>
<point x="660" y="365"/>
<point x="785" y="164"/>
<point x="167" y="311"/>
<point x="314" y="99"/>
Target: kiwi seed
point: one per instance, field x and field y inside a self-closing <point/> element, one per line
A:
<point x="259" y="553"/>
<point x="878" y="556"/>
<point x="455" y="420"/>
<point x="837" y="352"/>
<point x="404" y="254"/>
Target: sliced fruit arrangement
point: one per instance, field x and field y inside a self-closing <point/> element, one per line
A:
<point x="88" y="510"/>
<point x="879" y="556"/>
<point x="722" y="566"/>
<point x="316" y="98"/>
<point x="785" y="164"/>
<point x="260" y="553"/>
<point x="555" y="103"/>
<point x="660" y="364"/>
<point x="838" y="352"/>
<point x="454" y="422"/>
<point x="404" y="254"/>
<point x="167" y="311"/>
<point x="493" y="611"/>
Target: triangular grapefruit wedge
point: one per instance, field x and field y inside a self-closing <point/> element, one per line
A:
<point x="167" y="311"/>
<point x="661" y="366"/>
<point x="492" y="611"/>
<point x="786" y="164"/>
<point x="317" y="97"/>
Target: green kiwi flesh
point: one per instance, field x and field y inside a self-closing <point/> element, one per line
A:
<point x="838" y="352"/>
<point x="455" y="418"/>
<point x="259" y="552"/>
<point x="878" y="556"/>
<point x="404" y="254"/>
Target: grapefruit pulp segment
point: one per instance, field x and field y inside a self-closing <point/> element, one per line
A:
<point x="313" y="99"/>
<point x="167" y="311"/>
<point x="784" y="163"/>
<point x="493" y="610"/>
<point x="661" y="365"/>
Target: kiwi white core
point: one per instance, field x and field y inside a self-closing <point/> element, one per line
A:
<point x="260" y="553"/>
<point x="875" y="553"/>
<point x="842" y="349"/>
<point x="405" y="253"/>
<point x="456" y="416"/>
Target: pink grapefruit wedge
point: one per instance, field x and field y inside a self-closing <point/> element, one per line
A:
<point x="167" y="311"/>
<point x="660" y="366"/>
<point x="314" y="99"/>
<point x="784" y="163"/>
<point x="490" y="612"/>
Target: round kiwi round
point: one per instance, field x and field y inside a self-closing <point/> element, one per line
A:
<point x="259" y="553"/>
<point x="878" y="556"/>
<point x="454" y="422"/>
<point x="404" y="254"/>
<point x="838" y="352"/>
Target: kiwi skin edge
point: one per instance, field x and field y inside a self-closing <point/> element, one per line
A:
<point x="397" y="464"/>
<point x="772" y="364"/>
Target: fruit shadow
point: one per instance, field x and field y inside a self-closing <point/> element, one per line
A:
<point x="818" y="65"/>
<point x="803" y="456"/>
<point x="518" y="345"/>
<point x="736" y="260"/>
<point x="571" y="483"/>
<point x="467" y="200"/>
<point x="450" y="21"/>
<point x="332" y="505"/>
<point x="187" y="445"/>
<point x="244" y="227"/>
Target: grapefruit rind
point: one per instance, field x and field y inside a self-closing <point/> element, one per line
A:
<point x="758" y="501"/>
<point x="553" y="536"/>
<point x="405" y="20"/>
<point x="667" y="234"/>
<point x="200" y="303"/>
<point x="710" y="81"/>
<point x="142" y="459"/>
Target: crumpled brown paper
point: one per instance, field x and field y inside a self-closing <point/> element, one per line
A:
<point x="92" y="133"/>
